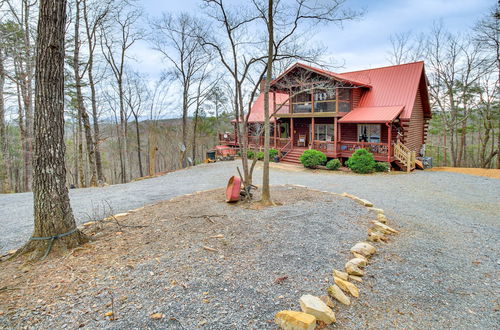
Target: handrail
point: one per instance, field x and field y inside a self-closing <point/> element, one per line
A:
<point x="286" y="146"/>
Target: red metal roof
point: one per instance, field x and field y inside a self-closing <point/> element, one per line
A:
<point x="392" y="86"/>
<point x="372" y="115"/>
<point x="257" y="111"/>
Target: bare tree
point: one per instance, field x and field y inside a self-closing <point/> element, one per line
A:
<point x="114" y="45"/>
<point x="4" y="151"/>
<point x="94" y="15"/>
<point x="406" y="48"/>
<point x="488" y="34"/>
<point x="134" y="95"/>
<point x="175" y="37"/>
<point x="54" y="223"/>
<point x="79" y="96"/>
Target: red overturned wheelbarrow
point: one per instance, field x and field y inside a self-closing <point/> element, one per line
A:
<point x="233" y="189"/>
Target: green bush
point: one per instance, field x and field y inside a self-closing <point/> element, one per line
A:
<point x="273" y="153"/>
<point x="250" y="154"/>
<point x="382" y="167"/>
<point x="260" y="155"/>
<point x="312" y="158"/>
<point x="361" y="162"/>
<point x="333" y="164"/>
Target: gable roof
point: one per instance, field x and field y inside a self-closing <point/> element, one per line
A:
<point x="395" y="85"/>
<point x="391" y="86"/>
<point x="379" y="115"/>
<point x="326" y="73"/>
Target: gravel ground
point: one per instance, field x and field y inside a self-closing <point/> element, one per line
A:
<point x="441" y="272"/>
<point x="266" y="260"/>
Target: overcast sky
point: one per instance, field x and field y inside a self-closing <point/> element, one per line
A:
<point x="361" y="44"/>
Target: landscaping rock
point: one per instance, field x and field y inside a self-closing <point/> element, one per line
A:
<point x="355" y="278"/>
<point x="340" y="274"/>
<point x="353" y="269"/>
<point x="292" y="320"/>
<point x="376" y="210"/>
<point x="357" y="255"/>
<point x="314" y="306"/>
<point x="364" y="249"/>
<point x="382" y="218"/>
<point x="376" y="236"/>
<point x="384" y="228"/>
<point x="335" y="292"/>
<point x="360" y="262"/>
<point x="347" y="286"/>
<point x="327" y="300"/>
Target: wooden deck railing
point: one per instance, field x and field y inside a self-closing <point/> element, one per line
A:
<point x="406" y="156"/>
<point x="374" y="148"/>
<point x="324" y="146"/>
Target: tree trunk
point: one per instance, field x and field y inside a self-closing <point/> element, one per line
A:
<point x="52" y="209"/>
<point x="93" y="94"/>
<point x="123" y="133"/>
<point x="153" y="148"/>
<point x="137" y="133"/>
<point x="266" y="193"/>
<point x="79" y="99"/>
<point x="4" y="148"/>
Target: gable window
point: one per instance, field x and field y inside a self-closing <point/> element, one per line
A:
<point x="369" y="133"/>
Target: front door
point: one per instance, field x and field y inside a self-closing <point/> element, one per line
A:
<point x="301" y="133"/>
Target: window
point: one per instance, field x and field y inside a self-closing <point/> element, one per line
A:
<point x="302" y="103"/>
<point x="322" y="132"/>
<point x="324" y="100"/>
<point x="369" y="133"/>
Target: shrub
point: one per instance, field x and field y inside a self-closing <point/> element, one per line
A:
<point x="260" y="155"/>
<point x="312" y="158"/>
<point x="333" y="164"/>
<point x="382" y="167"/>
<point x="250" y="154"/>
<point x="273" y="153"/>
<point x="361" y="162"/>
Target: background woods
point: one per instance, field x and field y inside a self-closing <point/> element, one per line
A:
<point x="121" y="124"/>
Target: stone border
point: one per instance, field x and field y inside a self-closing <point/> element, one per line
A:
<point x="320" y="308"/>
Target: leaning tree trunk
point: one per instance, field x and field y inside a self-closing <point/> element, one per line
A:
<point x="52" y="211"/>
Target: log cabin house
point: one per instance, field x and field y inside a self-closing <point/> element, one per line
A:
<point x="384" y="110"/>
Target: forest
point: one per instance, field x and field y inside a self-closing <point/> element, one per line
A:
<point x="121" y="125"/>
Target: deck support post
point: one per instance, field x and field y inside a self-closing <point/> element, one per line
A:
<point x="335" y="136"/>
<point x="291" y="130"/>
<point x="312" y="133"/>
<point x="275" y="132"/>
<point x="389" y="144"/>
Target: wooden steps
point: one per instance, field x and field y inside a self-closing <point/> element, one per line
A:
<point x="292" y="157"/>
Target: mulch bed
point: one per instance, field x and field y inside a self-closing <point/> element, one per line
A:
<point x="193" y="261"/>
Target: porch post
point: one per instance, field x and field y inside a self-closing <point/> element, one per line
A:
<point x="275" y="124"/>
<point x="335" y="136"/>
<point x="291" y="129"/>
<point x="339" y="135"/>
<point x="312" y="133"/>
<point x="389" y="144"/>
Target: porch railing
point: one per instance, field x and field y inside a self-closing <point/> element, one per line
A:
<point x="286" y="147"/>
<point x="227" y="138"/>
<point x="324" y="146"/>
<point x="374" y="148"/>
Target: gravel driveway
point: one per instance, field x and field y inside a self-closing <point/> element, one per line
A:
<point x="440" y="272"/>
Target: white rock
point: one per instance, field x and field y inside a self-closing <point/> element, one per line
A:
<point x="335" y="292"/>
<point x="314" y="306"/>
<point x="364" y="249"/>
